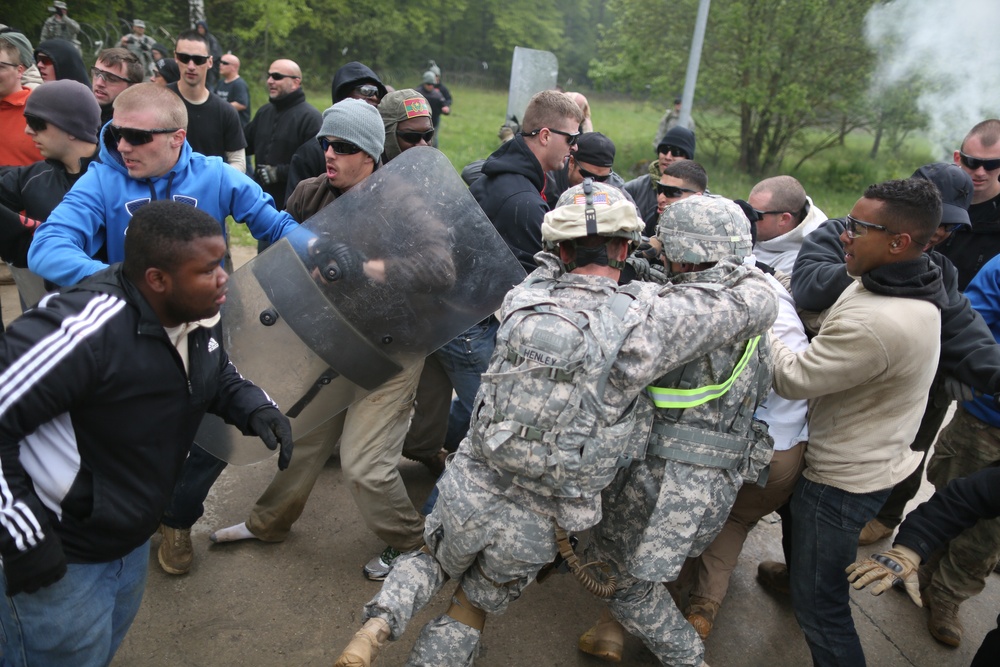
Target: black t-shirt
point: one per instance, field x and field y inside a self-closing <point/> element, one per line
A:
<point x="235" y="91"/>
<point x="214" y="127"/>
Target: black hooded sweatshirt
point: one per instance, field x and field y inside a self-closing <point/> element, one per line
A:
<point x="66" y="59"/>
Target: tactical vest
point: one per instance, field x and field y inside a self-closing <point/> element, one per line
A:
<point x="542" y="420"/>
<point x="725" y="435"/>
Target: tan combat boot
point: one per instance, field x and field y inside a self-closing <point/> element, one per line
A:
<point x="175" y="553"/>
<point x="701" y="615"/>
<point x="773" y="576"/>
<point x="365" y="645"/>
<point x="943" y="623"/>
<point x="605" y="640"/>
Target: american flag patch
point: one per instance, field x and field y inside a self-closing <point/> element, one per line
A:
<point x="599" y="198"/>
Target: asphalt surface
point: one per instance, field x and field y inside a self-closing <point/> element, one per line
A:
<point x="250" y="604"/>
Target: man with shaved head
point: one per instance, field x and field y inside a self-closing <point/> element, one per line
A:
<point x="280" y="127"/>
<point x="233" y="89"/>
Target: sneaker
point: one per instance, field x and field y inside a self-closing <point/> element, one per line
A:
<point x="773" y="576"/>
<point x="874" y="531"/>
<point x="378" y="568"/>
<point x="175" y="553"/>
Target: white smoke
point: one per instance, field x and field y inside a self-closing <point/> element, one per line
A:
<point x="948" y="44"/>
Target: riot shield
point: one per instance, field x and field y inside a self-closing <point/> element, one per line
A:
<point x="30" y="286"/>
<point x="531" y="71"/>
<point x="390" y="271"/>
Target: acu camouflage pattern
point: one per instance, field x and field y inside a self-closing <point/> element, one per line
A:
<point x="966" y="445"/>
<point x="704" y="229"/>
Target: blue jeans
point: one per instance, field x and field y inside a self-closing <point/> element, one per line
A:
<point x="80" y="620"/>
<point x="825" y="528"/>
<point x="465" y="359"/>
<point x="198" y="474"/>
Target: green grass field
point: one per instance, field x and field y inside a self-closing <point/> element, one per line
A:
<point x="834" y="179"/>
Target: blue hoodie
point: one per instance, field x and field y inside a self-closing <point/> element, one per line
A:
<point x="95" y="213"/>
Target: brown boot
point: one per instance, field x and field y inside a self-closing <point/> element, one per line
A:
<point x="701" y="615"/>
<point x="773" y="576"/>
<point x="365" y="645"/>
<point x="175" y="553"/>
<point x="605" y="640"/>
<point x="943" y="623"/>
<point x="874" y="531"/>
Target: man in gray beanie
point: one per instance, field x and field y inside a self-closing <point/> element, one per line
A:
<point x="371" y="431"/>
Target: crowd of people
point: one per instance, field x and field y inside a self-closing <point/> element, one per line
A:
<point x="676" y="365"/>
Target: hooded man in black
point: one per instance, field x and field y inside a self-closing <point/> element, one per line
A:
<point x="65" y="61"/>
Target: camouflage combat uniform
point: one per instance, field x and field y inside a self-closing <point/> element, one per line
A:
<point x="494" y="529"/>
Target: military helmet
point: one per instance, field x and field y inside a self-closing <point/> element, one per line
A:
<point x="704" y="229"/>
<point x="604" y="211"/>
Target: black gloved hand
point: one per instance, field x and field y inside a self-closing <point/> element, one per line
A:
<point x="266" y="174"/>
<point x="958" y="390"/>
<point x="29" y="571"/>
<point x="651" y="250"/>
<point x="335" y="260"/>
<point x="274" y="429"/>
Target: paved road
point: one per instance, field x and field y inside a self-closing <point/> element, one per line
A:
<point x="251" y="604"/>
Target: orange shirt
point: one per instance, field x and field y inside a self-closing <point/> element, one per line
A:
<point x="16" y="148"/>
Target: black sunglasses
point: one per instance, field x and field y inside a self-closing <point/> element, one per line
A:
<point x="96" y="73"/>
<point x="185" y="58"/>
<point x="676" y="151"/>
<point x="368" y="90"/>
<point x="137" y="137"/>
<point x="570" y="137"/>
<point x="225" y="62"/>
<point x="278" y="76"/>
<point x="35" y="123"/>
<point x="594" y="177"/>
<point x="989" y="164"/>
<point x="415" y="137"/>
<point x="949" y="227"/>
<point x="672" y="191"/>
<point x="339" y="147"/>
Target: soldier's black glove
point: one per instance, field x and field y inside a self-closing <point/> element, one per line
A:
<point x="266" y="174"/>
<point x="651" y="250"/>
<point x="29" y="571"/>
<point x="274" y="429"/>
<point x="335" y="260"/>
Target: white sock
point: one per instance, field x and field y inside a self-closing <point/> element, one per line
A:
<point x="232" y="534"/>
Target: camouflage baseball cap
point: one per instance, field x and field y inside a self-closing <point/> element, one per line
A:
<point x="704" y="229"/>
<point x="614" y="215"/>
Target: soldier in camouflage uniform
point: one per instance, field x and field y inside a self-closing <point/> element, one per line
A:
<point x="704" y="444"/>
<point x="556" y="412"/>
<point x="60" y="25"/>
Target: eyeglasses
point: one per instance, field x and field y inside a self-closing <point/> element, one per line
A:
<point x="367" y="91"/>
<point x="973" y="163"/>
<point x="7" y="64"/>
<point x="35" y="123"/>
<point x="278" y="76"/>
<point x="225" y="62"/>
<point x="949" y="227"/>
<point x="415" y="137"/>
<point x="570" y="137"/>
<point x="856" y="228"/>
<point x="137" y="137"/>
<point x="672" y="191"/>
<point x="108" y="77"/>
<point x="185" y="58"/>
<point x="43" y="60"/>
<point x="339" y="147"/>
<point x="594" y="177"/>
<point x="674" y="150"/>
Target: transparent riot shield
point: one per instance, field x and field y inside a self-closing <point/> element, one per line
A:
<point x="386" y="274"/>
<point x="531" y="71"/>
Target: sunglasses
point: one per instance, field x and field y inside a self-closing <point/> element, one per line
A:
<point x="856" y="228"/>
<point x="35" y="123"/>
<point x="225" y="62"/>
<point x="185" y="58"/>
<point x="108" y="77"/>
<point x="43" y="60"/>
<point x="674" y="150"/>
<point x="672" y="191"/>
<point x="571" y="137"/>
<point x="989" y="164"/>
<point x="594" y="177"/>
<point x="339" y="147"/>
<point x="278" y="76"/>
<point x="949" y="227"/>
<point x="368" y="91"/>
<point x="415" y="137"/>
<point x="137" y="137"/>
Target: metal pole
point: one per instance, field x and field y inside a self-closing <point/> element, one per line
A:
<point x="694" y="59"/>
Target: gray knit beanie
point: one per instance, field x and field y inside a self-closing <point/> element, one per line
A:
<point x="355" y="121"/>
<point x="23" y="46"/>
<point x="69" y="105"/>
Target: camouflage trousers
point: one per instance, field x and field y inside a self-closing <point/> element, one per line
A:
<point x="965" y="445"/>
<point x="657" y="513"/>
<point x="493" y="547"/>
